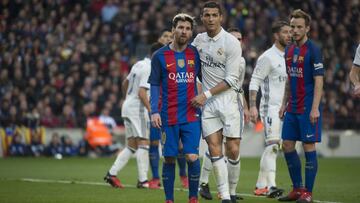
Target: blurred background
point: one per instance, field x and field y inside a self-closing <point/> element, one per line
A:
<point x="62" y="63"/>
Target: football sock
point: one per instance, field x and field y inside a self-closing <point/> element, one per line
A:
<point x="261" y="181"/>
<point x="182" y="163"/>
<point x="121" y="160"/>
<point x="168" y="178"/>
<point x="234" y="174"/>
<point x="205" y="168"/>
<point x="294" y="167"/>
<point x="311" y="167"/>
<point x="221" y="175"/>
<point x="154" y="160"/>
<point x="142" y="158"/>
<point x="269" y="164"/>
<point x="194" y="173"/>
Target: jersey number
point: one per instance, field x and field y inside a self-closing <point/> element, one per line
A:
<point x="131" y="83"/>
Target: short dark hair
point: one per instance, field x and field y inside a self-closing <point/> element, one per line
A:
<point x="234" y="29"/>
<point x="213" y="4"/>
<point x="276" y="26"/>
<point x="183" y="17"/>
<point x="155" y="46"/>
<point x="298" y="13"/>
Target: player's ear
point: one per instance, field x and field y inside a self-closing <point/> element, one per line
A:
<point x="307" y="28"/>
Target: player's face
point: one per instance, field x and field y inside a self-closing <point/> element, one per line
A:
<point x="298" y="29"/>
<point x="211" y="18"/>
<point x="182" y="32"/>
<point x="284" y="35"/>
<point x="238" y="36"/>
<point x="165" y="38"/>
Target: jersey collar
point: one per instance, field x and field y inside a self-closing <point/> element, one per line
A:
<point x="278" y="51"/>
<point x="221" y="33"/>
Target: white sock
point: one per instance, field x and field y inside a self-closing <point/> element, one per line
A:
<point x="142" y="158"/>
<point x="221" y="175"/>
<point x="262" y="180"/>
<point x="121" y="160"/>
<point x="270" y="164"/>
<point x="205" y="168"/>
<point x="234" y="174"/>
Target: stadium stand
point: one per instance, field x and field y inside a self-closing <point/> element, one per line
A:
<point x="63" y="61"/>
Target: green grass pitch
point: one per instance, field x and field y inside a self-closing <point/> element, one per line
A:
<point x="79" y="180"/>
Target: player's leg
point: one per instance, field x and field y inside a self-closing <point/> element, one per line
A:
<point x="142" y="159"/>
<point x="170" y="142"/>
<point x="182" y="166"/>
<point x="272" y="132"/>
<point x="291" y="133"/>
<point x="309" y="136"/>
<point x="232" y="117"/>
<point x="154" y="157"/>
<point x="212" y="127"/>
<point x="204" y="189"/>
<point x="124" y="156"/>
<point x="233" y="164"/>
<point x="142" y="155"/>
<point x="190" y="138"/>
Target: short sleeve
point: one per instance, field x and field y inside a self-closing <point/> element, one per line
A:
<point x="317" y="62"/>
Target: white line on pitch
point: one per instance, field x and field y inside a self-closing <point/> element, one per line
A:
<point x="129" y="186"/>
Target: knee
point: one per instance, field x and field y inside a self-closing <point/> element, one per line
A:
<point x="170" y="160"/>
<point x="191" y="157"/>
<point x="308" y="147"/>
<point x="288" y="146"/>
<point x="154" y="143"/>
<point x="232" y="152"/>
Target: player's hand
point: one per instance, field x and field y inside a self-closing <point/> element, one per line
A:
<point x="314" y="115"/>
<point x="356" y="91"/>
<point x="246" y="115"/>
<point x="282" y="112"/>
<point x="199" y="100"/>
<point x="253" y="114"/>
<point x="156" y="120"/>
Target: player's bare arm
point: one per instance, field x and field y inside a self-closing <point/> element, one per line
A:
<point x="200" y="99"/>
<point x="246" y="109"/>
<point x="318" y="88"/>
<point x="285" y="100"/>
<point x="253" y="110"/>
<point x="144" y="98"/>
<point x="124" y="86"/>
<point x="355" y="80"/>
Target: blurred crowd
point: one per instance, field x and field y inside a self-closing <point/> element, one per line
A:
<point x="62" y="61"/>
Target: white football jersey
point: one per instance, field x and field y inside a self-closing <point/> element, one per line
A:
<point x="270" y="74"/>
<point x="138" y="76"/>
<point x="220" y="59"/>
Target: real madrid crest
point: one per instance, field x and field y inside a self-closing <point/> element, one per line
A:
<point x="181" y="63"/>
<point x="220" y="51"/>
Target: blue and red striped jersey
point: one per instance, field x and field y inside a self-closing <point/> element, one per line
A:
<point x="302" y="64"/>
<point x="175" y="73"/>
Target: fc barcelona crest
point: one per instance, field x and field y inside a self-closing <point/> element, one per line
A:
<point x="191" y="63"/>
<point x="181" y="63"/>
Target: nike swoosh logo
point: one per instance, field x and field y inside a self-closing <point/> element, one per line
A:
<point x="309" y="135"/>
<point x="168" y="65"/>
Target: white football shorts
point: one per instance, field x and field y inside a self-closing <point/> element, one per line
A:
<point x="224" y="111"/>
